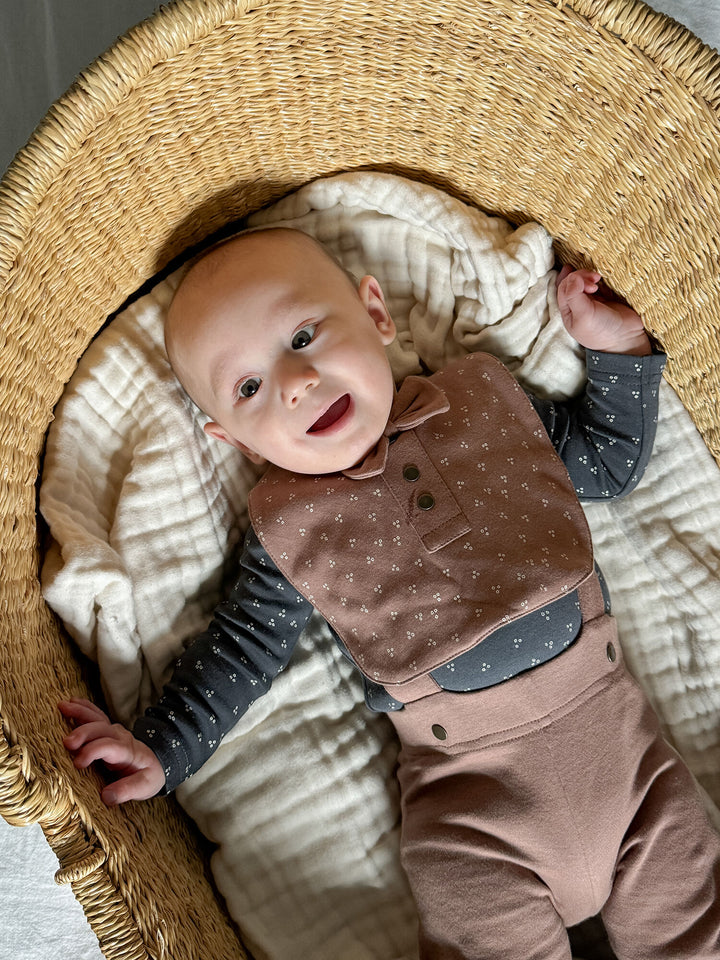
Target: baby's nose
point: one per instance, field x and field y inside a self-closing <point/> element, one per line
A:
<point x="298" y="382"/>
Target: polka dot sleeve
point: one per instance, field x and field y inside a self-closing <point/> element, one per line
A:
<point x="605" y="436"/>
<point x="225" y="669"/>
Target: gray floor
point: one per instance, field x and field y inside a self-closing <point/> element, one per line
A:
<point x="43" y="44"/>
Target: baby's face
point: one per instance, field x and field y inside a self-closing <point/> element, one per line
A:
<point x="275" y="343"/>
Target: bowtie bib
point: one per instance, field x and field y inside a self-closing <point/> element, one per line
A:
<point x="461" y="519"/>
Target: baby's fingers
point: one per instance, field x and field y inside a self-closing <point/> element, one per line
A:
<point x="578" y="281"/>
<point x="95" y="730"/>
<point x="113" y="752"/>
<point x="83" y="711"/>
<point x="137" y="786"/>
<point x="564" y="272"/>
<point x="591" y="278"/>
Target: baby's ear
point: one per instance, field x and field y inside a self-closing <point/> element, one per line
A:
<point x="373" y="300"/>
<point x="214" y="430"/>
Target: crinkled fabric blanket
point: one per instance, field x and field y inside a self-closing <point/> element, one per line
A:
<point x="146" y="516"/>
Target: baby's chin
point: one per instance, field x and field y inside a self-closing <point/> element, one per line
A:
<point x="326" y="456"/>
<point x="319" y="467"/>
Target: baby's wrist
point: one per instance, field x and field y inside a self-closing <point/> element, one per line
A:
<point x="636" y="345"/>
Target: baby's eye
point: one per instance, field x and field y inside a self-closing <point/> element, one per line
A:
<point x="303" y="337"/>
<point x="249" y="387"/>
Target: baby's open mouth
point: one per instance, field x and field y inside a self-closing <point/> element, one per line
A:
<point x="333" y="413"/>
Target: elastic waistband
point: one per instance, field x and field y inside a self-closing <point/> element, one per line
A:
<point x="445" y="720"/>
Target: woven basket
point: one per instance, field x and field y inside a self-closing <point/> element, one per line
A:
<point x="599" y="118"/>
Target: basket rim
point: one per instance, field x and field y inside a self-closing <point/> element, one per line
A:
<point x="111" y="78"/>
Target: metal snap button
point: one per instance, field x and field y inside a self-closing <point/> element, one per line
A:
<point x="440" y="733"/>
<point x="426" y="501"/>
<point x="411" y="473"/>
<point x="611" y="652"/>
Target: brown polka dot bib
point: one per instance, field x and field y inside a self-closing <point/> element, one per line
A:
<point x="462" y="519"/>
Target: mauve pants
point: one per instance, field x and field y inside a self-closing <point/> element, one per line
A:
<point x="553" y="797"/>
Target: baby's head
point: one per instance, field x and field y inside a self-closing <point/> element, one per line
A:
<point x="274" y="342"/>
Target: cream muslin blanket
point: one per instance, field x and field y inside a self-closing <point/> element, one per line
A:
<point x="146" y="517"/>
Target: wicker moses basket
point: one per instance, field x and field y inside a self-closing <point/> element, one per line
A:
<point x="598" y="118"/>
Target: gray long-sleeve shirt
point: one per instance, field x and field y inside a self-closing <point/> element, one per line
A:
<point x="604" y="438"/>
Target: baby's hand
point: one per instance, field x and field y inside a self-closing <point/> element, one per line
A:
<point x="96" y="738"/>
<point x="596" y="321"/>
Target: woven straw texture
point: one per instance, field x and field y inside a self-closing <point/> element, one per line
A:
<point x="599" y="118"/>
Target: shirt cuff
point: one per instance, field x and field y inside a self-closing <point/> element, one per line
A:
<point x="650" y="365"/>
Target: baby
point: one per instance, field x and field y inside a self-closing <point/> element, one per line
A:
<point x="438" y="529"/>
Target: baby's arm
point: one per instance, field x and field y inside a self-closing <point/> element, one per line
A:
<point x="96" y="738"/>
<point x="219" y="675"/>
<point x="596" y="321"/>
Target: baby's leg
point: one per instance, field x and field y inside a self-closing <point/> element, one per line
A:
<point x="473" y="900"/>
<point x="665" y="902"/>
<point x="487" y="843"/>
